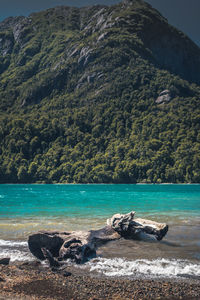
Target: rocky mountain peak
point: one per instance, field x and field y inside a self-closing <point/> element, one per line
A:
<point x="98" y="95"/>
<point x="69" y="48"/>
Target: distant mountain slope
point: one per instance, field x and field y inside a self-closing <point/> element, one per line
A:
<point x="78" y="90"/>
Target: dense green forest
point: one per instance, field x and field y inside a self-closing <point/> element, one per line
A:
<point x="78" y="97"/>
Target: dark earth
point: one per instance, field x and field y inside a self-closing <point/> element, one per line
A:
<point x="35" y="281"/>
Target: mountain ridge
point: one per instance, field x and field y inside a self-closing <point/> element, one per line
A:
<point x="88" y="80"/>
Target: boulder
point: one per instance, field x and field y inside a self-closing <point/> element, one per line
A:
<point x="5" y="261"/>
<point x="80" y="246"/>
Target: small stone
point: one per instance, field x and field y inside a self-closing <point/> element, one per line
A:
<point x="67" y="274"/>
<point x="2" y="279"/>
<point x="5" y="261"/>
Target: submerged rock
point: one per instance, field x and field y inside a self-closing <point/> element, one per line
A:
<point x="80" y="246"/>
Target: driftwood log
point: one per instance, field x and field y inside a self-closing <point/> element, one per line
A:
<point x="80" y="246"/>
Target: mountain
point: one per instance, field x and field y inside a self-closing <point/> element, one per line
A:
<point x="98" y="94"/>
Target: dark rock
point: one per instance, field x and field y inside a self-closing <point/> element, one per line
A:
<point x="35" y="263"/>
<point x="5" y="261"/>
<point x="67" y="274"/>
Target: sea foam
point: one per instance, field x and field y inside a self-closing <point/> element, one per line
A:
<point x="13" y="243"/>
<point x="16" y="250"/>
<point x="159" y="267"/>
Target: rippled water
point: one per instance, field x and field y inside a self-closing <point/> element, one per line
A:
<point x="27" y="208"/>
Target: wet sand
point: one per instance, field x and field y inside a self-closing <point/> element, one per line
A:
<point x="27" y="281"/>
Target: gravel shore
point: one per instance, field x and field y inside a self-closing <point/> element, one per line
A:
<point x="27" y="281"/>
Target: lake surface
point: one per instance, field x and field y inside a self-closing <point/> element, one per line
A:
<point x="28" y="208"/>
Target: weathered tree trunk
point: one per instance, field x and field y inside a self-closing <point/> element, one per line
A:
<point x="131" y="228"/>
<point x="81" y="246"/>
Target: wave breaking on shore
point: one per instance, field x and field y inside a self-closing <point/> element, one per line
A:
<point x="113" y="267"/>
<point x="158" y="267"/>
<point x="16" y="250"/>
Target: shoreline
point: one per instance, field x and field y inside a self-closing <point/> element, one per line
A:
<point x="31" y="280"/>
<point x="138" y="183"/>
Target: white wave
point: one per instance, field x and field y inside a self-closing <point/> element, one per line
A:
<point x="13" y="243"/>
<point x="159" y="267"/>
<point x="16" y="255"/>
<point x="16" y="250"/>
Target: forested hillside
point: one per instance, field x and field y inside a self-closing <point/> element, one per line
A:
<point x="79" y="97"/>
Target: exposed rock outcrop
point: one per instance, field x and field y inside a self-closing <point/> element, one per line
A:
<point x="90" y="43"/>
<point x="81" y="246"/>
<point x="164" y="97"/>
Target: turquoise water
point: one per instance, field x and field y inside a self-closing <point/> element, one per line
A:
<point x="97" y="201"/>
<point x="28" y="208"/>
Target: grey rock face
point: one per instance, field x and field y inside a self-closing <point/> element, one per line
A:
<point x="85" y="56"/>
<point x="20" y="31"/>
<point x="94" y="29"/>
<point x="10" y="22"/>
<point x="19" y="27"/>
<point x="89" y="78"/>
<point x="6" y="45"/>
<point x="165" y="96"/>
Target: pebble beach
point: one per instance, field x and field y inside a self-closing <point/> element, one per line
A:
<point x="31" y="280"/>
